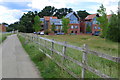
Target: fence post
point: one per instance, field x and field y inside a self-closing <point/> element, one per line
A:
<point x="45" y="46"/>
<point x="32" y="38"/>
<point x="64" y="51"/>
<point x="37" y="38"/>
<point x="28" y="38"/>
<point x="52" y="46"/>
<point x="84" y="59"/>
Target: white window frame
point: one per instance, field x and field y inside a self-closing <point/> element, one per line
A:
<point x="76" y="27"/>
<point x="72" y="27"/>
<point x="95" y="27"/>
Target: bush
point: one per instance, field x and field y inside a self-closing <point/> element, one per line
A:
<point x="88" y="29"/>
<point x="47" y="32"/>
<point x="113" y="29"/>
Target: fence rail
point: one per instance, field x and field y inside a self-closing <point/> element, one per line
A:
<point x="82" y="64"/>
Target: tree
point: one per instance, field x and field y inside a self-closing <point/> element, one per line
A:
<point x="60" y="13"/>
<point x="47" y="11"/>
<point x="36" y="24"/>
<point x="82" y="14"/>
<point x="16" y="26"/>
<point x="103" y="21"/>
<point x="27" y="20"/>
<point x="53" y="27"/>
<point x="114" y="30"/>
<point x="88" y="28"/>
<point x="65" y="22"/>
<point x="4" y="23"/>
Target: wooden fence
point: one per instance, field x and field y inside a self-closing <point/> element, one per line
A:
<point x="84" y="49"/>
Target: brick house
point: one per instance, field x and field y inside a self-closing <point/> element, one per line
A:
<point x="74" y="23"/>
<point x="91" y="20"/>
<point x="48" y="21"/>
<point x="2" y="28"/>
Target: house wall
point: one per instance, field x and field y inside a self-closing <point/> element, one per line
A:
<point x="73" y="19"/>
<point x="74" y="30"/>
<point x="2" y="28"/>
<point x="92" y="23"/>
<point x="58" y="28"/>
<point x="83" y="27"/>
<point x="95" y="26"/>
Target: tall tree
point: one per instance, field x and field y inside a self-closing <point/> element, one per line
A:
<point x="103" y="20"/>
<point x="60" y="13"/>
<point x="65" y="22"/>
<point x="27" y="20"/>
<point x="16" y="26"/>
<point x="114" y="30"/>
<point x="4" y="23"/>
<point x="47" y="11"/>
<point x="82" y="14"/>
<point x="36" y="24"/>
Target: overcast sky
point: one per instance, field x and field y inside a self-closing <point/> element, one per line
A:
<point x="12" y="10"/>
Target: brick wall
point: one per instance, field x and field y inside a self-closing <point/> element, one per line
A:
<point x="2" y="28"/>
<point x="74" y="30"/>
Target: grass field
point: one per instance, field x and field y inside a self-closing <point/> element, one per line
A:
<point x="94" y="42"/>
<point x="105" y="66"/>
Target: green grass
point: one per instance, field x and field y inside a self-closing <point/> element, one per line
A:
<point x="96" y="43"/>
<point x="3" y="36"/>
<point x="93" y="42"/>
<point x="46" y="66"/>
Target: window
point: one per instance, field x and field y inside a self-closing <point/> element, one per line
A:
<point x="76" y="27"/>
<point x="95" y="27"/>
<point x="60" y="22"/>
<point x="99" y="28"/>
<point x="75" y="31"/>
<point x="50" y="17"/>
<point x="72" y="27"/>
<point x="61" y="27"/>
<point x="71" y="31"/>
<point x="94" y="22"/>
<point x="56" y="27"/>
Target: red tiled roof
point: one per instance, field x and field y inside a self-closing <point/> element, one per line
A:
<point x="48" y="17"/>
<point x="91" y="16"/>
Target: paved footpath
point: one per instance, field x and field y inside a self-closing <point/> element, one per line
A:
<point x="15" y="61"/>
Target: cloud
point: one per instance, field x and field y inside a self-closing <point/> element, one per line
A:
<point x="9" y="16"/>
<point x="15" y="0"/>
<point x="91" y="8"/>
<point x="15" y="5"/>
<point x="12" y="10"/>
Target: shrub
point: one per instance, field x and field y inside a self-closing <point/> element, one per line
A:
<point x="47" y="32"/>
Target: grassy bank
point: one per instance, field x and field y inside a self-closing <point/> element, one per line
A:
<point x="47" y="67"/>
<point x="3" y="36"/>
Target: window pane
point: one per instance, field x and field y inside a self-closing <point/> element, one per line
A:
<point x="72" y="27"/>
